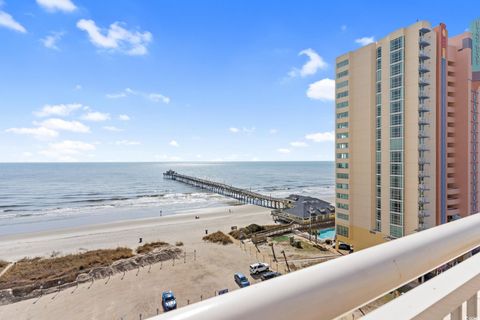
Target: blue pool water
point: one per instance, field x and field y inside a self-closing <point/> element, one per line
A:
<point x="326" y="234"/>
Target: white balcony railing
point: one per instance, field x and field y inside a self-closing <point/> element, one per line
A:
<point x="337" y="287"/>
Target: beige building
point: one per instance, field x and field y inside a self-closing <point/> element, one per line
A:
<point x="385" y="137"/>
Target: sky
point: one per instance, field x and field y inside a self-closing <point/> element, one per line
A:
<point x="177" y="80"/>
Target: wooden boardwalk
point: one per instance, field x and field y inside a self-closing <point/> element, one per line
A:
<point x="242" y="195"/>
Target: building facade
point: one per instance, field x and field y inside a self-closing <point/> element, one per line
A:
<point x="404" y="110"/>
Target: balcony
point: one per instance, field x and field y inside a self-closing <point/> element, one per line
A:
<point x="423" y="95"/>
<point x="422" y="82"/>
<point x="423" y="69"/>
<point x="337" y="287"/>
<point x="423" y="147"/>
<point x="423" y="174"/>
<point x="423" y="31"/>
<point x="423" y="214"/>
<point x="423" y="200"/>
<point x="423" y="187"/>
<point x="423" y="108"/>
<point x="423" y="42"/>
<point x="422" y="55"/>
<point x="423" y="121"/>
<point x="423" y="134"/>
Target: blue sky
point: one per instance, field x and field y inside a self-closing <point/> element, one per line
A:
<point x="183" y="80"/>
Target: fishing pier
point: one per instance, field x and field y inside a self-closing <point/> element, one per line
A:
<point x="242" y="195"/>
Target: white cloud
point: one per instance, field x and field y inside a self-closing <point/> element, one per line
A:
<point x="322" y="90"/>
<point x="78" y="87"/>
<point x="273" y="131"/>
<point x="298" y="144"/>
<point x="66" y="150"/>
<point x="40" y="133"/>
<point x="165" y="157"/>
<point x="116" y="38"/>
<point x="283" y="150"/>
<point x="61" y="110"/>
<point x="365" y="40"/>
<point x="60" y="124"/>
<point x="127" y="143"/>
<point x="123" y="117"/>
<point x="315" y="62"/>
<point x="155" y="97"/>
<point x="112" y="128"/>
<point x="321" y="136"/>
<point x="244" y="130"/>
<point x="7" y="21"/>
<point x="343" y="27"/>
<point x="57" y="5"/>
<point x="51" y="40"/>
<point x="173" y="143"/>
<point x="96" y="116"/>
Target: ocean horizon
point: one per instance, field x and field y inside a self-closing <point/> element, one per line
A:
<point x="46" y="196"/>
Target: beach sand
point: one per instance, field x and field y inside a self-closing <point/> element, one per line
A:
<point x="138" y="292"/>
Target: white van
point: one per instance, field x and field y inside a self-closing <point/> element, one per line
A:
<point x="259" y="267"/>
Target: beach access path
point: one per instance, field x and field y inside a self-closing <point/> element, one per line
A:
<point x="205" y="269"/>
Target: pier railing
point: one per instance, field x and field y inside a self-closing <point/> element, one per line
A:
<point x="340" y="286"/>
<point x="243" y="195"/>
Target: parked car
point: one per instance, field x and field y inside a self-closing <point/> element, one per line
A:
<point x="241" y="280"/>
<point x="270" y="275"/>
<point x="259" y="267"/>
<point x="223" y="291"/>
<point x="168" y="301"/>
<point x="344" y="246"/>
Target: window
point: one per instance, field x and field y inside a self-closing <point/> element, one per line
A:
<point x="396" y="194"/>
<point x="342" y="145"/>
<point x="342" y="230"/>
<point x="342" y="84"/>
<point x="396" y="94"/>
<point x="342" y="115"/>
<point x="378" y="86"/>
<point x="396" y="169"/>
<point x="342" y="165"/>
<point x="342" y="74"/>
<point x="396" y="81"/>
<point x="396" y="207"/>
<point x="342" y="186"/>
<point x="396" y="69"/>
<point x="342" y="104"/>
<point x="342" y="135"/>
<point x="396" y="231"/>
<point x="342" y="125"/>
<point x="396" y="144"/>
<point x="396" y="132"/>
<point x="342" y="94"/>
<point x="379" y="52"/>
<point x="342" y="196"/>
<point x="396" y="56"/>
<point x="342" y="216"/>
<point x="342" y="175"/>
<point x="342" y="63"/>
<point x="396" y="181"/>
<point x="395" y="107"/>
<point x="342" y="206"/>
<point x="396" y="156"/>
<point x="378" y="99"/>
<point x="342" y="155"/>
<point x="396" y="44"/>
<point x="396" y="119"/>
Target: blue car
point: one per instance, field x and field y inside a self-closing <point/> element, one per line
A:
<point x="168" y="301"/>
<point x="241" y="280"/>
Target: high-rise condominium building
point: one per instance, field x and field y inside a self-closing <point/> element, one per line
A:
<point x="407" y="133"/>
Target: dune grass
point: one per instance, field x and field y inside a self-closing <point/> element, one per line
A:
<point x="150" y="246"/>
<point x="3" y="264"/>
<point x="36" y="272"/>
<point x="248" y="231"/>
<point x="218" y="237"/>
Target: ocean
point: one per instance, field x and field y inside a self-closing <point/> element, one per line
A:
<point x="45" y="196"/>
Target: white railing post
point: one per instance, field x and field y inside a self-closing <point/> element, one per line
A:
<point x="472" y="306"/>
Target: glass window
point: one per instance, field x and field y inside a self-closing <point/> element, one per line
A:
<point x="396" y="181"/>
<point x="396" y="81"/>
<point x="342" y="165"/>
<point x="342" y="135"/>
<point x="396" y="144"/>
<point x="396" y="132"/>
<point x="342" y="63"/>
<point x="342" y="125"/>
<point x="396" y="43"/>
<point x="396" y="69"/>
<point x="342" y="155"/>
<point x="396" y="194"/>
<point x="396" y="56"/>
<point x="342" y="145"/>
<point x="396" y="119"/>
<point x="342" y="94"/>
<point x="342" y="206"/>
<point x="342" y="216"/>
<point x="342" y="84"/>
<point x="395" y="106"/>
<point x="342" y="185"/>
<point x="342" y="115"/>
<point x="396" y="169"/>
<point x="342" y="74"/>
<point x="342" y="104"/>
<point x="342" y="175"/>
<point x="342" y="230"/>
<point x="396" y="94"/>
<point x="342" y="196"/>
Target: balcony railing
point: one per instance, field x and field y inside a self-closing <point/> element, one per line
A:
<point x="337" y="287"/>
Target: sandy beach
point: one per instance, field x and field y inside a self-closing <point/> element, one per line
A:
<point x="126" y="296"/>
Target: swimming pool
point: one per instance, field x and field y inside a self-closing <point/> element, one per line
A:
<point x="326" y="234"/>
